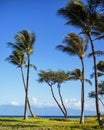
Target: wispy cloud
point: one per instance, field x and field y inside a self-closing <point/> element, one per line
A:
<point x="69" y="103"/>
<point x="72" y="103"/>
<point x="14" y="103"/>
<point x="39" y="103"/>
<point x="76" y="103"/>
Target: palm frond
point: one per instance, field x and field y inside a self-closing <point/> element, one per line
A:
<point x="88" y="81"/>
<point x="32" y="66"/>
<point x="92" y="94"/>
<point x="76" y="74"/>
<point x="68" y="50"/>
<point x="16" y="58"/>
<point x="100" y="66"/>
<point x="98" y="53"/>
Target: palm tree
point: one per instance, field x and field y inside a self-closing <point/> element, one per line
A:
<point x="18" y="59"/>
<point x="52" y="78"/>
<point x="25" y="43"/>
<point x="76" y="45"/>
<point x="84" y="17"/>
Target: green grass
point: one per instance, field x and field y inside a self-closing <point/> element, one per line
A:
<point x="48" y="124"/>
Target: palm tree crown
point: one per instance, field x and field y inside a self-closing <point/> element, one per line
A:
<point x="24" y="42"/>
<point x="75" y="45"/>
<point x="80" y="15"/>
<point x="76" y="74"/>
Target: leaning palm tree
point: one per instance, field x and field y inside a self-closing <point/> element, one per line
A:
<point x="25" y="43"/>
<point x="18" y="59"/>
<point x="84" y="17"/>
<point x="75" y="45"/>
<point x="52" y="78"/>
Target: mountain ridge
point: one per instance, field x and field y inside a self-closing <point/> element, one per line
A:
<point x="11" y="110"/>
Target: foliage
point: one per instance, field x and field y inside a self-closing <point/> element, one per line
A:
<point x="74" y="45"/>
<point x="100" y="90"/>
<point x="100" y="68"/>
<point x="100" y="93"/>
<point x="17" y="58"/>
<point x="24" y="42"/>
<point x="76" y="74"/>
<point x="53" y="77"/>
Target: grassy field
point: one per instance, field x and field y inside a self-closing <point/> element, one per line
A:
<point x="48" y="124"/>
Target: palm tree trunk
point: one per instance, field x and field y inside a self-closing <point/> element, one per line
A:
<point x="32" y="114"/>
<point x="82" y="94"/>
<point x="66" y="115"/>
<point x="96" y="84"/>
<point x="56" y="100"/>
<point x="27" y="86"/>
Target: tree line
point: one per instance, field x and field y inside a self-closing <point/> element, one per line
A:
<point x="88" y="17"/>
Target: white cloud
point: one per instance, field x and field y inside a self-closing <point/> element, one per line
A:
<point x="38" y="103"/>
<point x="69" y="103"/>
<point x="72" y="103"/>
<point x="76" y="103"/>
<point x="14" y="103"/>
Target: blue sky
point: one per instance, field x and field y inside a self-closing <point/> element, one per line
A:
<point x="40" y="16"/>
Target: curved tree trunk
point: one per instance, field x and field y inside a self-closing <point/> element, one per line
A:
<point x="66" y="115"/>
<point x="96" y="84"/>
<point x="82" y="94"/>
<point x="27" y="86"/>
<point x="56" y="100"/>
<point x="32" y="114"/>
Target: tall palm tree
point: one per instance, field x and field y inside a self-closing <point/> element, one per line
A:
<point x="85" y="17"/>
<point x="18" y="59"/>
<point x="25" y="43"/>
<point x="76" y="45"/>
<point x="52" y="78"/>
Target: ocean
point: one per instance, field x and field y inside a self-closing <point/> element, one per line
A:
<point x="15" y="116"/>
